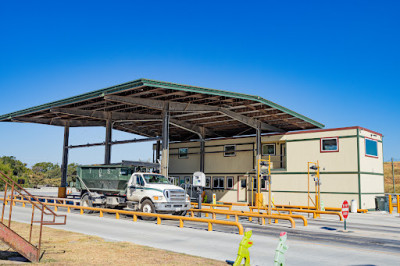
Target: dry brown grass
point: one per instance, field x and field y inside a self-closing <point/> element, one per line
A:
<point x="67" y="248"/>
<point x="389" y="176"/>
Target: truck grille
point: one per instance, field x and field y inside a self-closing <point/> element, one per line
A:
<point x="176" y="195"/>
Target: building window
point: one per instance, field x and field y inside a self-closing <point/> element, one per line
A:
<point x="262" y="183"/>
<point x="230" y="150"/>
<point x="208" y="182"/>
<point x="371" y="148"/>
<point x="218" y="182"/>
<point x="243" y="183"/>
<point x="183" y="153"/>
<point x="187" y="180"/>
<point x="229" y="182"/>
<point x="329" y="144"/>
<point x="268" y="149"/>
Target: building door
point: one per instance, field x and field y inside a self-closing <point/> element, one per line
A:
<point x="242" y="188"/>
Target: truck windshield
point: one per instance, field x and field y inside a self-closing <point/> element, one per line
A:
<point x="156" y="179"/>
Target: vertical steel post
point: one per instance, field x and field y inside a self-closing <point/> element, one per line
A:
<point x="107" y="153"/>
<point x="165" y="142"/>
<point x="64" y="165"/>
<point x="158" y="148"/>
<point x="394" y="188"/>
<point x="258" y="158"/>
<point x="202" y="157"/>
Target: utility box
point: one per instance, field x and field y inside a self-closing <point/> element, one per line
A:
<point x="382" y="203"/>
<point x="199" y="179"/>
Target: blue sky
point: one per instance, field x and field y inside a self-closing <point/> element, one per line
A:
<point x="337" y="62"/>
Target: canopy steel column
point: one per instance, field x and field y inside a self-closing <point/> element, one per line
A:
<point x="64" y="166"/>
<point x="202" y="148"/>
<point x="165" y="142"/>
<point x="107" y="153"/>
<point x="158" y="149"/>
<point x="202" y="163"/>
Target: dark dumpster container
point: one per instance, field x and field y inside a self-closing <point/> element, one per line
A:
<point x="382" y="203"/>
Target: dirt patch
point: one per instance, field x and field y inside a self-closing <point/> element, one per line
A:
<point x="69" y="248"/>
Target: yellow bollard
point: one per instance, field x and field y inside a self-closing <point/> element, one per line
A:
<point x="81" y="211"/>
<point x="209" y="227"/>
<point x="23" y="204"/>
<point x="390" y="204"/>
<point x="135" y="218"/>
<point x="68" y="209"/>
<point x="180" y="223"/>
<point x="158" y="220"/>
<point x="227" y="216"/>
<point x="55" y="208"/>
<point x="206" y="214"/>
<point x="276" y="221"/>
<point x="117" y="215"/>
<point x="263" y="221"/>
<point x="398" y="203"/>
<point x="101" y="213"/>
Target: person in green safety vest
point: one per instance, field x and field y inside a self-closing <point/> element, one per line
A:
<point x="243" y="252"/>
<point x="279" y="259"/>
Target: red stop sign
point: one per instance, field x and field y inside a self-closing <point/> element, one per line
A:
<point x="345" y="209"/>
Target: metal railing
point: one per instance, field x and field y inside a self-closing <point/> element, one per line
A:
<point x="249" y="215"/>
<point x="36" y="205"/>
<point x="136" y="214"/>
<point x="243" y="213"/>
<point x="315" y="213"/>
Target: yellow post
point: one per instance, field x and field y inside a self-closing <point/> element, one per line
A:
<point x="390" y="204"/>
<point x="23" y="204"/>
<point x="101" y="213"/>
<point x="135" y="218"/>
<point x="209" y="227"/>
<point x="158" y="220"/>
<point x="81" y="211"/>
<point x="180" y="223"/>
<point x="117" y="215"/>
<point x="269" y="188"/>
<point x="68" y="209"/>
<point x="398" y="203"/>
<point x="55" y="208"/>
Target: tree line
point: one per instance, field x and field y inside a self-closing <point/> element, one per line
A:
<point x="40" y="174"/>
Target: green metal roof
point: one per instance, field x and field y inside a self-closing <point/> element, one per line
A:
<point x="257" y="107"/>
<point x="160" y="84"/>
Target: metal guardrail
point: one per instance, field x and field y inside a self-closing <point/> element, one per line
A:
<point x="236" y="214"/>
<point x="314" y="212"/>
<point x="135" y="215"/>
<point x="291" y="206"/>
<point x="242" y="213"/>
<point x="313" y="208"/>
<point x="25" y="247"/>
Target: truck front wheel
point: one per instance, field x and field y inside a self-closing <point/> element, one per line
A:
<point x="148" y="206"/>
<point x="86" y="201"/>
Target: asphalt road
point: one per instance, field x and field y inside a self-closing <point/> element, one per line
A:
<point x="374" y="238"/>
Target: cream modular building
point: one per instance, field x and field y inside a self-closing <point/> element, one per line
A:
<point x="350" y="159"/>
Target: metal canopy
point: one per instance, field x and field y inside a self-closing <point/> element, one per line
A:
<point x="137" y="107"/>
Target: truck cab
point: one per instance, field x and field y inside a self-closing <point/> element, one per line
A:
<point x="153" y="192"/>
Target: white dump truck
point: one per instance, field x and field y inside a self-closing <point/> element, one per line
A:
<point x="132" y="186"/>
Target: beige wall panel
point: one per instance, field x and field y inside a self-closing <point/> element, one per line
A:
<point x="370" y="135"/>
<point x="330" y="183"/>
<point x="301" y="152"/>
<point x="329" y="200"/>
<point x="368" y="201"/>
<point x="371" y="164"/>
<point x="372" y="183"/>
<point x="217" y="163"/>
<point x="324" y="134"/>
<point x="188" y="165"/>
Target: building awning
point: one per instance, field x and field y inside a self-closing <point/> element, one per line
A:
<point x="137" y="107"/>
